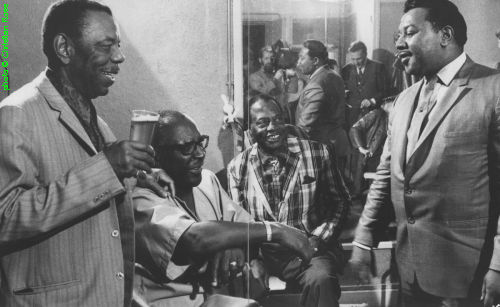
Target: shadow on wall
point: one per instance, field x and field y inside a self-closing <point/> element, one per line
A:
<point x="137" y="87"/>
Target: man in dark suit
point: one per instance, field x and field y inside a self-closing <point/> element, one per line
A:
<point x="365" y="80"/>
<point x="440" y="167"/>
<point x="321" y="107"/>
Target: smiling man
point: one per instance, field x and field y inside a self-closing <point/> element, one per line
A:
<point x="295" y="182"/>
<point x="66" y="227"/>
<point x="179" y="235"/>
<point x="440" y="167"/>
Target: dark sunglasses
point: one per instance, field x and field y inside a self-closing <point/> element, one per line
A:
<point x="189" y="147"/>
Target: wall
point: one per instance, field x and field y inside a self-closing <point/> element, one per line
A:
<point x="482" y="22"/>
<point x="175" y="58"/>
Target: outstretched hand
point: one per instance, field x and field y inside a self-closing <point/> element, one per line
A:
<point x="360" y="263"/>
<point x="293" y="239"/>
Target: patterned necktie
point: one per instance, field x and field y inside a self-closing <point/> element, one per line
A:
<point x="419" y="120"/>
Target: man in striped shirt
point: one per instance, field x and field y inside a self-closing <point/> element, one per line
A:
<point x="295" y="182"/>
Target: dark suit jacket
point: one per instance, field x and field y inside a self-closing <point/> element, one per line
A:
<point x="446" y="195"/>
<point x="321" y="110"/>
<point x="373" y="82"/>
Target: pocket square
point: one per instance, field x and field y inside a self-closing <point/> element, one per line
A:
<point x="308" y="179"/>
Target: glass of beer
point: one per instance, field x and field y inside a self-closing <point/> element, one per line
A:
<point x="143" y="126"/>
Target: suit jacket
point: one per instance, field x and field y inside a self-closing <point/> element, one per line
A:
<point x="446" y="196"/>
<point x="372" y="84"/>
<point x="321" y="110"/>
<point x="64" y="239"/>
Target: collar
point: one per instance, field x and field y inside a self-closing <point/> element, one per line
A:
<point x="83" y="107"/>
<point x="321" y="68"/>
<point x="447" y="73"/>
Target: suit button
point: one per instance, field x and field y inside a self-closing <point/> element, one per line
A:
<point x="411" y="220"/>
<point x="408" y="191"/>
<point x="120" y="275"/>
<point x="115" y="233"/>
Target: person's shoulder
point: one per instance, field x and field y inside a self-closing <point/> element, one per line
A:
<point x="23" y="98"/>
<point x="374" y="62"/>
<point x="240" y="158"/>
<point x="306" y="145"/>
<point x="145" y="194"/>
<point x="208" y="176"/>
<point x="479" y="70"/>
<point x="347" y="67"/>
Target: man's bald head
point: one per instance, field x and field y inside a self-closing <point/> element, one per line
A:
<point x="259" y="102"/>
<point x="180" y="149"/>
<point x="267" y="124"/>
<point x="170" y="121"/>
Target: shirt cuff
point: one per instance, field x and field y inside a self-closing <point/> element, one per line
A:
<point x="362" y="246"/>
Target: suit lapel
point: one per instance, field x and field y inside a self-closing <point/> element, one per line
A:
<point x="291" y="168"/>
<point x="66" y="115"/>
<point x="452" y="94"/>
<point x="255" y="180"/>
<point x="401" y="122"/>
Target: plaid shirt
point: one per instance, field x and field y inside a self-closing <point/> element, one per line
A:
<point x="314" y="198"/>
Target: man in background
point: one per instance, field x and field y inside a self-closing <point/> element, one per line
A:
<point x="440" y="168"/>
<point x="321" y="107"/>
<point x="268" y="79"/>
<point x="366" y="84"/>
<point x="365" y="81"/>
<point x="67" y="227"/>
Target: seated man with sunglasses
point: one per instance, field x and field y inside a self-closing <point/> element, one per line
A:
<point x="176" y="236"/>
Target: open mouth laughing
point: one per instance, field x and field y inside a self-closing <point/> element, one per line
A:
<point x="110" y="74"/>
<point x="404" y="57"/>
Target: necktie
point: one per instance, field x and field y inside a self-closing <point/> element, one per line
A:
<point x="419" y="120"/>
<point x="359" y="77"/>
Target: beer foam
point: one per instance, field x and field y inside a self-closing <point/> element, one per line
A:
<point x="145" y="117"/>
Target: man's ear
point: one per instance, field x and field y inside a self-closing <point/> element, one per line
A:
<point x="63" y="48"/>
<point x="447" y="35"/>
<point x="315" y="61"/>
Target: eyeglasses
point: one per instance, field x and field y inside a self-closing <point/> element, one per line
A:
<point x="189" y="147"/>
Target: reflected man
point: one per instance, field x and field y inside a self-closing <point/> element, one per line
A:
<point x="268" y="79"/>
<point x="365" y="81"/>
<point x="295" y="182"/>
<point x="321" y="107"/>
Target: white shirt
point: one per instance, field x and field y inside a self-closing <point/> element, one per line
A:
<point x="446" y="75"/>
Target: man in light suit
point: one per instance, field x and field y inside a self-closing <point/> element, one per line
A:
<point x="365" y="80"/>
<point x="321" y="107"/>
<point x="67" y="227"/>
<point x="440" y="167"/>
